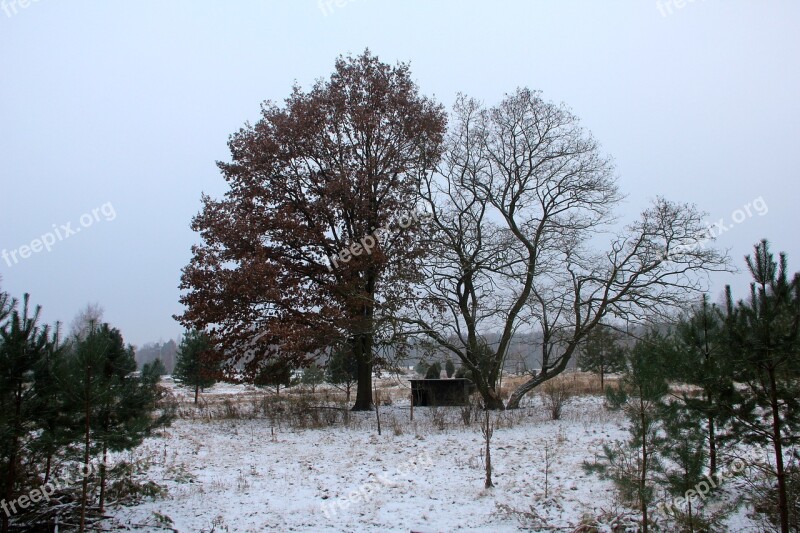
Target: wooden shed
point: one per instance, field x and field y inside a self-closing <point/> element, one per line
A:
<point x="441" y="392"/>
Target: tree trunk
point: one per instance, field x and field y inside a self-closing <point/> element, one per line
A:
<point x="86" y="428"/>
<point x="103" y="478"/>
<point x="643" y="478"/>
<point x="535" y="381"/>
<point x="12" y="456"/>
<point x="48" y="466"/>
<point x="363" y="345"/>
<point x="709" y="397"/>
<point x="712" y="445"/>
<point x="492" y="400"/>
<point x="783" y="503"/>
<point x="378" y="411"/>
<point x="519" y="393"/>
<point x="196" y="393"/>
<point x="487" y="432"/>
<point x="363" y="353"/>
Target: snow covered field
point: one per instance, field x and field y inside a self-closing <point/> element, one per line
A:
<point x="246" y="475"/>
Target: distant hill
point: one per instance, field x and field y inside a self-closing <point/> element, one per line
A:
<point x="151" y="351"/>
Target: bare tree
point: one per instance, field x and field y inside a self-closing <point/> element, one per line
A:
<point x="522" y="199"/>
<point x="87" y="318"/>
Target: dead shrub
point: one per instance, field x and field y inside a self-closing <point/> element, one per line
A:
<point x="555" y="394"/>
<point x="466" y="413"/>
<point x="229" y="410"/>
<point x="438" y="418"/>
<point x="127" y="485"/>
<point x="396" y="426"/>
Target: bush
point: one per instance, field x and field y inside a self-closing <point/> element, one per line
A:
<point x="469" y="411"/>
<point x="555" y="394"/>
<point x="434" y="371"/>
<point x="449" y="368"/>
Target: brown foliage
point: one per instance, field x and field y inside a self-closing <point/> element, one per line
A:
<point x="307" y="181"/>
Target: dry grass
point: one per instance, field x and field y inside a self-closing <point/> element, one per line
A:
<point x="580" y="383"/>
<point x="298" y="408"/>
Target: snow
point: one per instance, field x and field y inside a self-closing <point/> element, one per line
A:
<point x="245" y="475"/>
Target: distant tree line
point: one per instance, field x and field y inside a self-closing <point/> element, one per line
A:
<point x="166" y="352"/>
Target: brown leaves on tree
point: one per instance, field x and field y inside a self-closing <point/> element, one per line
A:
<point x="306" y="181"/>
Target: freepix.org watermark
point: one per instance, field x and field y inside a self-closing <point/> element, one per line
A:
<point x="369" y="242"/>
<point x="366" y="491"/>
<point x="757" y="207"/>
<point x="44" y="492"/>
<point x="329" y="6"/>
<point x="12" y="7"/>
<point x="701" y="490"/>
<point x="667" y="7"/>
<point x="60" y="232"/>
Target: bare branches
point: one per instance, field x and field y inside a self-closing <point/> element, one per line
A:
<point x="521" y="201"/>
<point x="656" y="266"/>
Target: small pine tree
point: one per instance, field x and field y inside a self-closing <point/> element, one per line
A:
<point x="196" y="365"/>
<point x="113" y="406"/>
<point x="449" y="368"/>
<point x="342" y="370"/>
<point x="602" y="353"/>
<point x="155" y="368"/>
<point x="700" y="358"/>
<point x="59" y="399"/>
<point x="125" y="416"/>
<point x="22" y="346"/>
<point x="685" y="448"/>
<point x="434" y="371"/>
<point x="312" y="376"/>
<point x="153" y="392"/>
<point x="632" y="465"/>
<point x="275" y="373"/>
<point x="56" y="432"/>
<point x="86" y="391"/>
<point x="763" y="334"/>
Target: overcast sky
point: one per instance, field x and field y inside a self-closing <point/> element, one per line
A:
<point x="114" y="113"/>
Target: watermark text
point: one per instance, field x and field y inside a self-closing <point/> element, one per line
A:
<point x="60" y="232"/>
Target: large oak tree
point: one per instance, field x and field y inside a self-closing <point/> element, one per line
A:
<point x="309" y="180"/>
